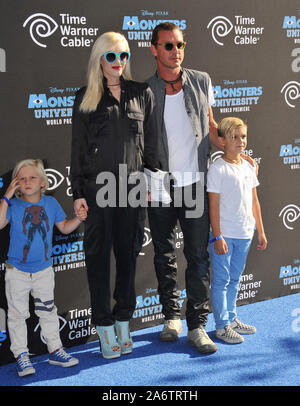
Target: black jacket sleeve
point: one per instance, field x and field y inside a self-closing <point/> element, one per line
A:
<point x="79" y="147"/>
<point x="150" y="132"/>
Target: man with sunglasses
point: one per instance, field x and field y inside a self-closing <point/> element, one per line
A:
<point x="183" y="100"/>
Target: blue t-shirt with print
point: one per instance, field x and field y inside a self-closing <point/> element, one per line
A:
<point x="31" y="232"/>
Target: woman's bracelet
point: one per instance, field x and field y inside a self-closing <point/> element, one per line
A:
<point x="215" y="239"/>
<point x="7" y="200"/>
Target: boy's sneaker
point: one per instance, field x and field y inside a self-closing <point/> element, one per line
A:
<point x="242" y="328"/>
<point x="171" y="330"/>
<point x="62" y="358"/>
<point x="229" y="335"/>
<point x="24" y="365"/>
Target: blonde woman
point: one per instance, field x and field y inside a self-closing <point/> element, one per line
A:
<point x="113" y="125"/>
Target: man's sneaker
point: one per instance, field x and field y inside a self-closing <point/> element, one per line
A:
<point x="24" y="365"/>
<point x="228" y="335"/>
<point x="242" y="328"/>
<point x="171" y="330"/>
<point x="62" y="358"/>
<point x="201" y="340"/>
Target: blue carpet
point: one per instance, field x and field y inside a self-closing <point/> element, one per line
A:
<point x="268" y="358"/>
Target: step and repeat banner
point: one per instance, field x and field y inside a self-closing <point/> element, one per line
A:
<point x="251" y="49"/>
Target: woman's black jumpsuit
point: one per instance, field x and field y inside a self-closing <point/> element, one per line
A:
<point x="116" y="133"/>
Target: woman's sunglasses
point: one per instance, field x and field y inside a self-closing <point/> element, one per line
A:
<point x="111" y="57"/>
<point x="169" y="46"/>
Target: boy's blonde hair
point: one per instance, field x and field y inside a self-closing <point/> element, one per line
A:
<point x="36" y="163"/>
<point x="228" y="125"/>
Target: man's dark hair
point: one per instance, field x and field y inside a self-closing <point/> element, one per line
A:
<point x="163" y="27"/>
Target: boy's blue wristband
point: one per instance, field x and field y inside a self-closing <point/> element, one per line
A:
<point x="215" y="239"/>
<point x="7" y="200"/>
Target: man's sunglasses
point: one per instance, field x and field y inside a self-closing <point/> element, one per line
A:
<point x="111" y="57"/>
<point x="169" y="46"/>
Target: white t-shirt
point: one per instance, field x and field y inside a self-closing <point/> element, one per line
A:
<point x="234" y="183"/>
<point x="183" y="154"/>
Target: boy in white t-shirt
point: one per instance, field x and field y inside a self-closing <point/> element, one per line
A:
<point x="234" y="213"/>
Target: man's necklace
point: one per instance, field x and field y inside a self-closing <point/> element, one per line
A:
<point x="172" y="82"/>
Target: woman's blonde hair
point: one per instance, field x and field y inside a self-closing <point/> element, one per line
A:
<point x="106" y="42"/>
<point x="228" y="125"/>
<point x="38" y="165"/>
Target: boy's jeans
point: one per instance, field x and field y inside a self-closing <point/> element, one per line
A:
<point x="18" y="286"/>
<point x="226" y="272"/>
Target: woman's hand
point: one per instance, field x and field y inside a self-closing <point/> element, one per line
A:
<point x="80" y="207"/>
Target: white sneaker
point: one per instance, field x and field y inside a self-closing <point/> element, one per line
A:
<point x="24" y="365"/>
<point x="62" y="358"/>
<point x="228" y="335"/>
<point x="242" y="328"/>
<point x="171" y="330"/>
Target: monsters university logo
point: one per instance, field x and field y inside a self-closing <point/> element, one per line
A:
<point x="52" y="109"/>
<point x="290" y="275"/>
<point x="140" y="29"/>
<point x="290" y="154"/>
<point x="291" y="25"/>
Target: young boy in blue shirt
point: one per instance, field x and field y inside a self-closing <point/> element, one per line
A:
<point x="32" y="216"/>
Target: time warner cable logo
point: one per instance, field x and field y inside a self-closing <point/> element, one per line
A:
<point x="40" y="26"/>
<point x="291" y="91"/>
<point x="245" y="31"/>
<point x="73" y="30"/>
<point x="289" y="215"/>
